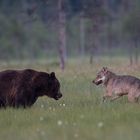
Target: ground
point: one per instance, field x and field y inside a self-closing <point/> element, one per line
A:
<point x="79" y="114"/>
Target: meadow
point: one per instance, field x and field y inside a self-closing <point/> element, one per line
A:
<point x="80" y="114"/>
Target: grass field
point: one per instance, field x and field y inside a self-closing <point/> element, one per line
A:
<point x="79" y="115"/>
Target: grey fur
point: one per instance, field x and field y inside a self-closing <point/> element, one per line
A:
<point x="118" y="85"/>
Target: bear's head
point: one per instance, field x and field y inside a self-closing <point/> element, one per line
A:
<point x="48" y="84"/>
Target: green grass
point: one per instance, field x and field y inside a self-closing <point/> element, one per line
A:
<point x="79" y="115"/>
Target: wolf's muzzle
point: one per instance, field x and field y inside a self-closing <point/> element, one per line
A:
<point x="97" y="82"/>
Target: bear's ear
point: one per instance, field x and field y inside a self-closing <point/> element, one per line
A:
<point x="52" y="75"/>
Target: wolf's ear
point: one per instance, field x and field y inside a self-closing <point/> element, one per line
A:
<point x="105" y="69"/>
<point x="52" y="75"/>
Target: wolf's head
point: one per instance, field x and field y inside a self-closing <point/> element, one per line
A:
<point x="101" y="76"/>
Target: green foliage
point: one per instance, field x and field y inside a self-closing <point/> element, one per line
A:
<point x="131" y="25"/>
<point x="30" y="29"/>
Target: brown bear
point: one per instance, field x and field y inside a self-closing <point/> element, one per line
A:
<point x="21" y="88"/>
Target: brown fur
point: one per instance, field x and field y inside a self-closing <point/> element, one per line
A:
<point x="118" y="85"/>
<point x="23" y="87"/>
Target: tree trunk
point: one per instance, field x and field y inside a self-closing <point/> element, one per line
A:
<point x="91" y="55"/>
<point x="136" y="51"/>
<point x="62" y="35"/>
<point x="95" y="43"/>
<point x="109" y="36"/>
<point x="82" y="34"/>
<point x="130" y="56"/>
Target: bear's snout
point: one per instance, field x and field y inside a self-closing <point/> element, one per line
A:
<point x="58" y="96"/>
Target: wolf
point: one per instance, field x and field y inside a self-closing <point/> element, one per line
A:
<point x="118" y="85"/>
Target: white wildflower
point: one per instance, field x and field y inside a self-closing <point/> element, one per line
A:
<point x="37" y="129"/>
<point x="74" y="124"/>
<point x="100" y="124"/>
<point x="42" y="106"/>
<point x="59" y="122"/>
<point x="64" y="105"/>
<point x="76" y="135"/>
<point x="42" y="133"/>
<point x="41" y="118"/>
<point x="82" y="116"/>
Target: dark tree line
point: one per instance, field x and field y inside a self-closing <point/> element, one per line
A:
<point x="36" y="28"/>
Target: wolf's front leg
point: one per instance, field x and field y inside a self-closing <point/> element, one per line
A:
<point x="115" y="97"/>
<point x="103" y="99"/>
<point x="107" y="95"/>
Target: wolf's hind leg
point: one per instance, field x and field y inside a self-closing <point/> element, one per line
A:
<point x="116" y="97"/>
<point x="133" y="99"/>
